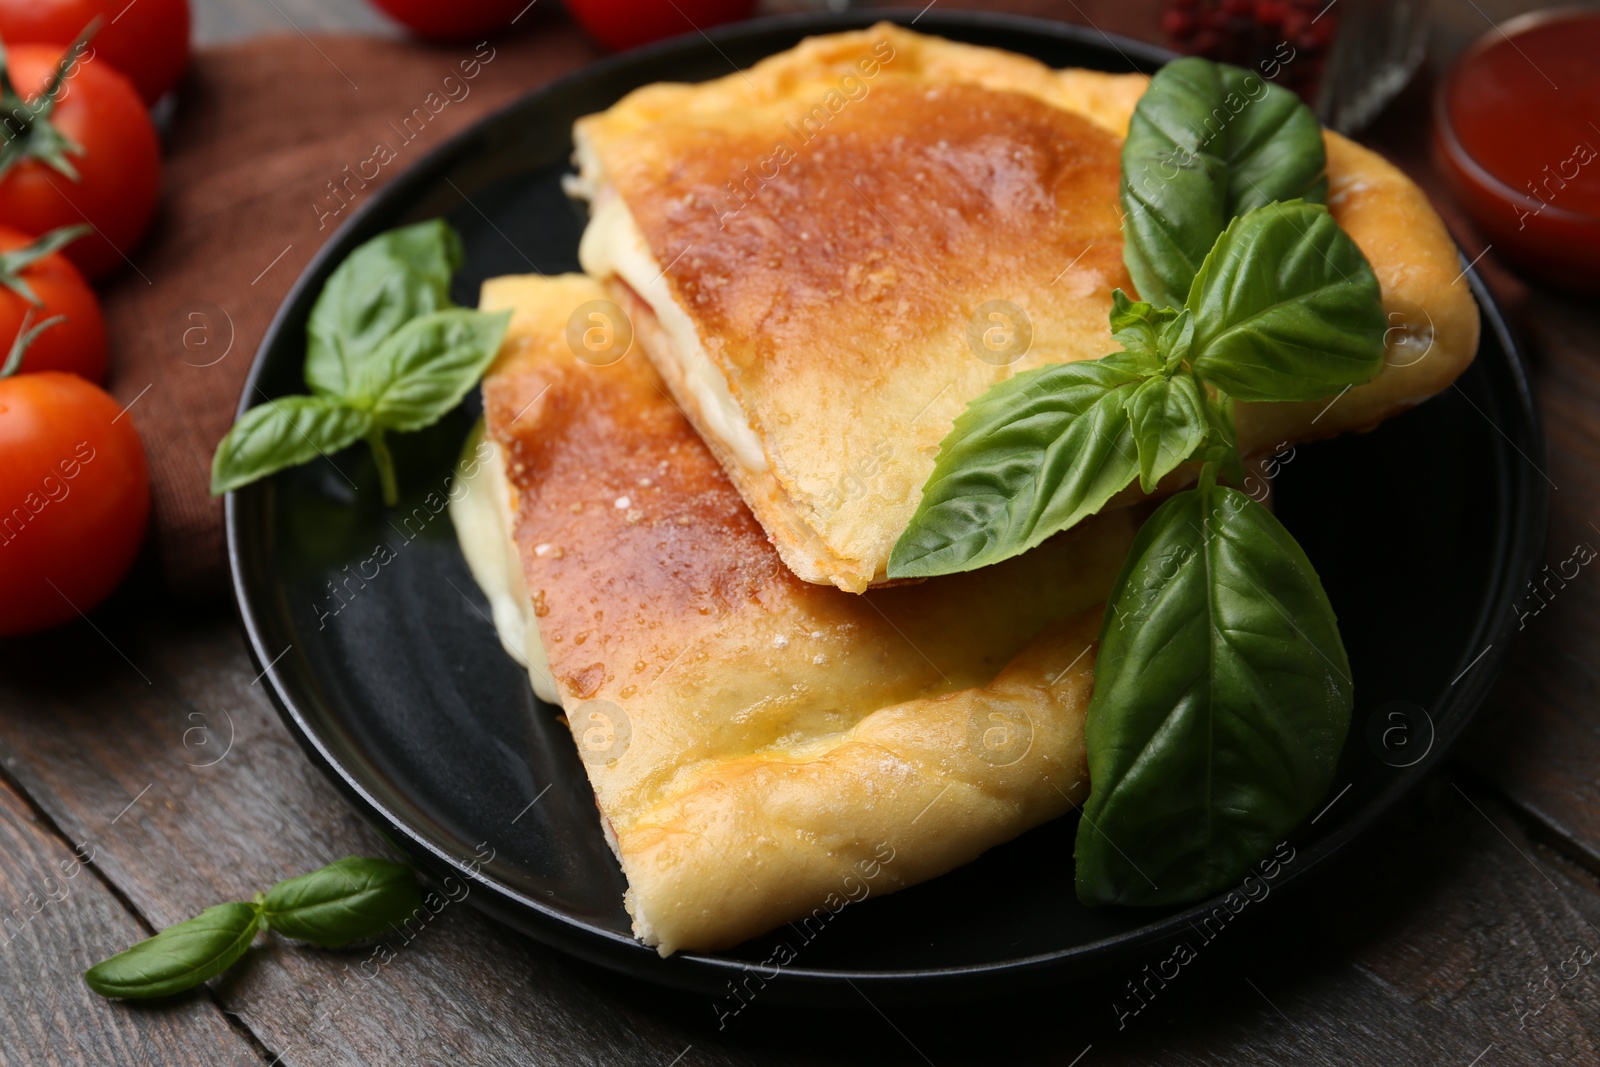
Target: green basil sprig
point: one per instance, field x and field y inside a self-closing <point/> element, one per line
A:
<point x="1032" y="456"/>
<point x="1222" y="697"/>
<point x="179" y="957"/>
<point x="346" y="901"/>
<point x="1222" y="690"/>
<point x="1284" y="308"/>
<point x="385" y="350"/>
<point x="351" y="900"/>
<point x="384" y="284"/>
<point x="1208" y="142"/>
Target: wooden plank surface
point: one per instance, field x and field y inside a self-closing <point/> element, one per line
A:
<point x="1457" y="935"/>
<point x="1540" y="738"/>
<point x="57" y="918"/>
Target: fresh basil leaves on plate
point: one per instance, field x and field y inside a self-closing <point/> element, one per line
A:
<point x="1208" y="142"/>
<point x="1222" y="689"/>
<point x="355" y="899"/>
<point x="1285" y="307"/>
<point x="385" y="350"/>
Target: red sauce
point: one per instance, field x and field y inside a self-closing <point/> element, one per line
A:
<point x="1519" y="135"/>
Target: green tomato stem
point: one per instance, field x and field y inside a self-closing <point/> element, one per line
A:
<point x="385" y="462"/>
<point x="26" y="335"/>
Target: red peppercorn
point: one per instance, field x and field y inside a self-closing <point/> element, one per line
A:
<point x="1319" y="35"/>
<point x="1179" y="25"/>
<point x="1257" y="34"/>
<point x="1206" y="43"/>
<point x="1270" y="12"/>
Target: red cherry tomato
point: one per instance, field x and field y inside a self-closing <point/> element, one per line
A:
<point x="119" y="167"/>
<point x="458" y="21"/>
<point x="146" y="41"/>
<point x="77" y="344"/>
<point x="620" y="24"/>
<point x="74" y="497"/>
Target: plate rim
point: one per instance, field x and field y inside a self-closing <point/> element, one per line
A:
<point x="709" y="972"/>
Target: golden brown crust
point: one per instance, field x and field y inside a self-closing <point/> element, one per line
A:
<point x="834" y="289"/>
<point x="777" y="731"/>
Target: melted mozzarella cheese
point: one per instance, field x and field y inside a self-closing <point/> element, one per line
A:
<point x="482" y="515"/>
<point x="613" y="245"/>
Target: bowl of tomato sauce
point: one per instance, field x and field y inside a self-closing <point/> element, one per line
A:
<point x="1517" y="135"/>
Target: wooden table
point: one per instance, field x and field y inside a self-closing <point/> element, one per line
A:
<point x="1462" y="933"/>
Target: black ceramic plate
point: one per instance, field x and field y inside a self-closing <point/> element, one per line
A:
<point x="397" y="687"/>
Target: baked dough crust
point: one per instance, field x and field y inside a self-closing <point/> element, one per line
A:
<point x="834" y="289"/>
<point x="778" y="739"/>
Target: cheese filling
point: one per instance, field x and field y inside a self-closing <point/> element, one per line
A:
<point x="613" y="245"/>
<point x="481" y="510"/>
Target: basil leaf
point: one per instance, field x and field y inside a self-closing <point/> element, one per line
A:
<point x="1286" y="307"/>
<point x="351" y="900"/>
<point x="1030" y="457"/>
<point x="1137" y="324"/>
<point x="1222" y="698"/>
<point x="179" y="957"/>
<point x="425" y="368"/>
<point x="382" y="285"/>
<point x="1168" y="419"/>
<point x="1176" y="339"/>
<point x="1207" y="142"/>
<point x="283" y="433"/>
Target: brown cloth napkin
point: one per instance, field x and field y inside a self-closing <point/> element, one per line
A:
<point x="260" y="129"/>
